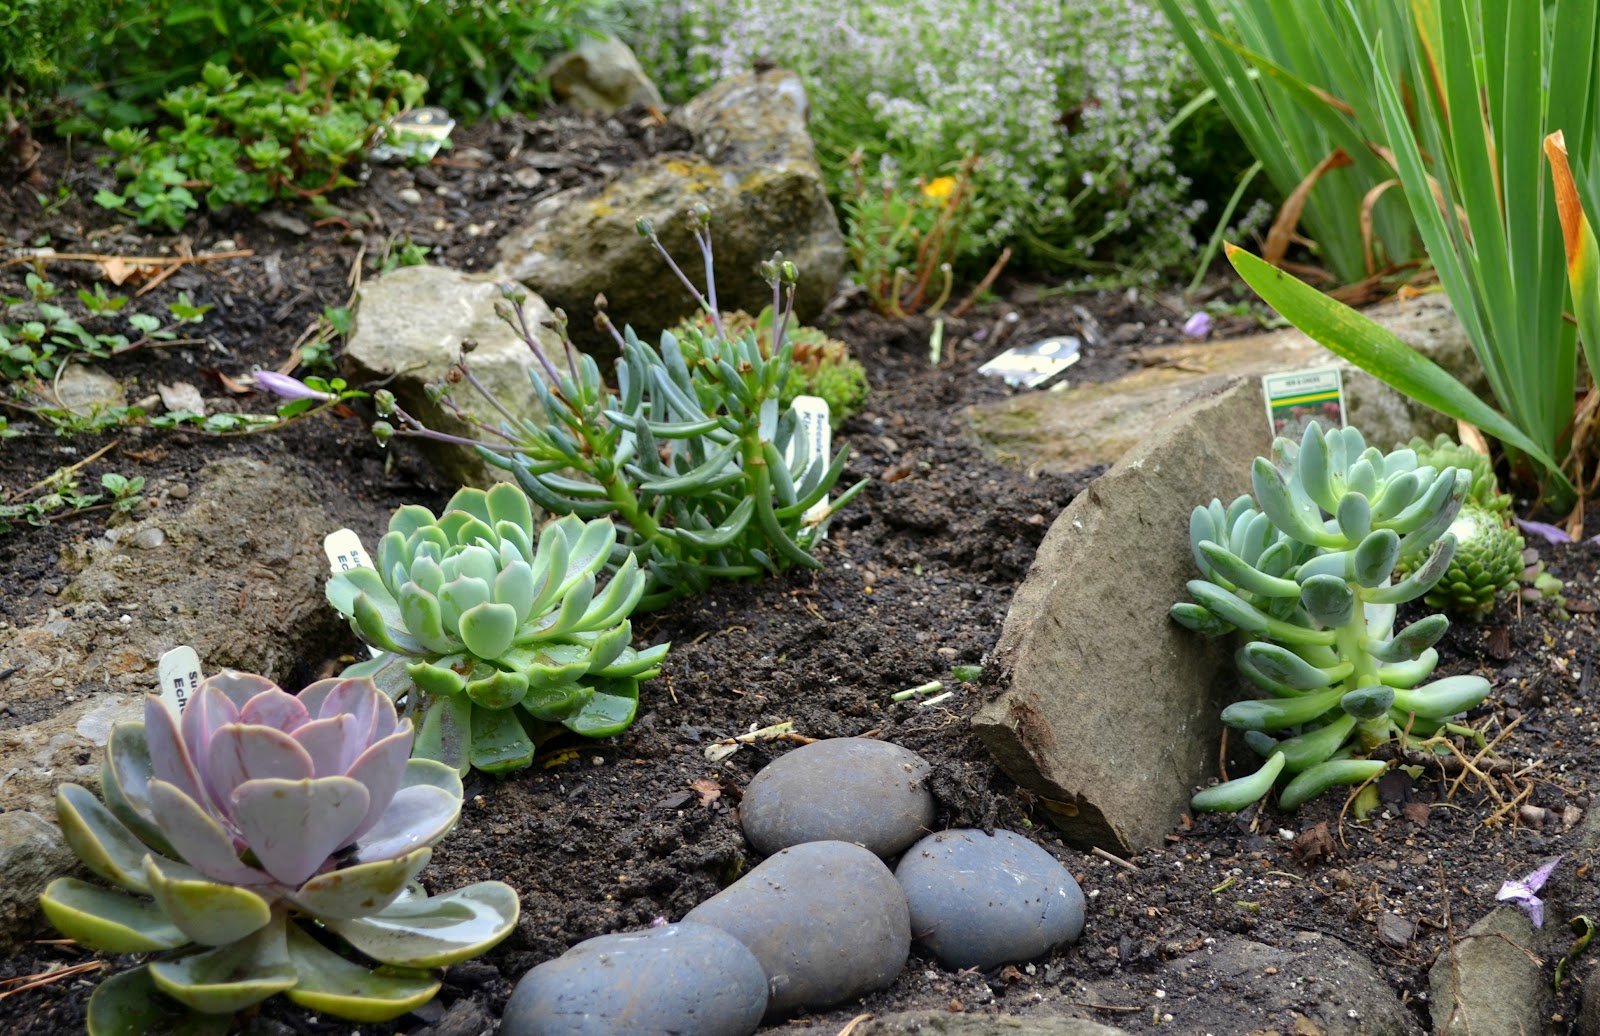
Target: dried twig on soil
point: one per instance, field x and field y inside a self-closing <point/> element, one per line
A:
<point x="1112" y="858"/>
<point x="1446" y="765"/>
<point x="45" y="978"/>
<point x="132" y="260"/>
<point x="854" y="1023"/>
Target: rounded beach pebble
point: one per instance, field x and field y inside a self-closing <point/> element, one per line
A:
<point x="847" y="789"/>
<point x="659" y="982"/>
<point x="979" y="900"/>
<point x="827" y="921"/>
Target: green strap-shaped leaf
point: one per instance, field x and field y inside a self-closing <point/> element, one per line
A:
<point x="1283" y="666"/>
<point x="1443" y="697"/>
<point x="1235" y="570"/>
<point x="1280" y="712"/>
<point x="1199" y="619"/>
<point x="499" y="744"/>
<point x="102" y="842"/>
<point x="209" y="913"/>
<point x="1309" y="749"/>
<point x="129" y="1004"/>
<point x="1378" y="351"/>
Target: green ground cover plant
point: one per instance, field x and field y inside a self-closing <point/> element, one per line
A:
<point x="1067" y="106"/>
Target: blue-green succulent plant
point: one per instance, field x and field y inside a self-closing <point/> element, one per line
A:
<point x="1304" y="572"/>
<point x="492" y="629"/>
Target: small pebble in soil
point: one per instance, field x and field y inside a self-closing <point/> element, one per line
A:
<point x="827" y="921"/>
<point x="694" y="977"/>
<point x="979" y="900"/>
<point x="848" y="789"/>
<point x="149" y="538"/>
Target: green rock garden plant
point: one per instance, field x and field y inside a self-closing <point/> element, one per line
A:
<point x="492" y="631"/>
<point x="1304" y="572"/>
<point x="255" y="839"/>
<point x="705" y="472"/>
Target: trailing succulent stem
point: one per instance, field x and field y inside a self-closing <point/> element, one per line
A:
<point x="251" y="835"/>
<point x="1305" y="571"/>
<point x="493" y="630"/>
<point x="706" y="472"/>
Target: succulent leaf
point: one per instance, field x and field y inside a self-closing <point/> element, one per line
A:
<point x="435" y="931"/>
<point x="129" y="1004"/>
<point x="113" y="922"/>
<point x="104" y="844"/>
<point x="232" y="977"/>
<point x="329" y="984"/>
<point x="206" y="912"/>
<point x="1318" y="779"/>
<point x="1234" y="795"/>
<point x="365" y="888"/>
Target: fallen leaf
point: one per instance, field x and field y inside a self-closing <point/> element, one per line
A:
<point x="1313" y="844"/>
<point x="182" y="396"/>
<point x="1416" y="812"/>
<point x="708" y="790"/>
<point x="119" y="271"/>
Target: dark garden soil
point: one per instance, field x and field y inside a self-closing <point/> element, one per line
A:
<point x="609" y="835"/>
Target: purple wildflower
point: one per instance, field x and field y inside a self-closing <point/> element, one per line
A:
<point x="1545" y="531"/>
<point x="1197" y="326"/>
<point x="288" y="388"/>
<point x="1521" y="891"/>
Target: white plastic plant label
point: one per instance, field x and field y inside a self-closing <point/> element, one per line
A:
<point x="345" y="551"/>
<point x="813" y="414"/>
<point x="1035" y="364"/>
<point x="179" y="673"/>
<point x="1297" y="398"/>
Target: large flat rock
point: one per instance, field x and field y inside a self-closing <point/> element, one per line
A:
<point x="1109" y="710"/>
<point x="1097" y="423"/>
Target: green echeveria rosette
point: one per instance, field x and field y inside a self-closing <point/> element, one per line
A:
<point x="493" y="629"/>
<point x="1445" y="452"/>
<point x="249" y="837"/>
<point x="1305" y="573"/>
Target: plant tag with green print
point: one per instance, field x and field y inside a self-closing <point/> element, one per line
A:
<point x="1296" y="398"/>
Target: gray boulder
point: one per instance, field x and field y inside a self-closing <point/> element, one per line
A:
<point x="599" y="76"/>
<point x="1096" y="423"/>
<point x="753" y="166"/>
<point x="1490" y="982"/>
<point x="237" y="575"/>
<point x="827" y="921"/>
<point x="695" y="978"/>
<point x="1108" y="710"/>
<point x="32" y="854"/>
<point x="847" y="789"/>
<point x="409" y="327"/>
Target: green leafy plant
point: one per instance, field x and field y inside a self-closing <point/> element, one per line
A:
<point x="705" y="472"/>
<point x="493" y="629"/>
<point x="1308" y="113"/>
<point x="39" y="43"/>
<point x="823" y="366"/>
<point x="903" y="242"/>
<point x="247" y="142"/>
<point x="58" y="497"/>
<point x="38" y="335"/>
<point x="1303" y="572"/>
<point x="1462" y="93"/>
<point x="246" y="833"/>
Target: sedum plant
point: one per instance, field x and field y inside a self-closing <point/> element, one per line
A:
<point x="823" y="366"/>
<point x="253" y="838"/>
<point x="1304" y="572"/>
<point x="704" y="470"/>
<point x="493" y="630"/>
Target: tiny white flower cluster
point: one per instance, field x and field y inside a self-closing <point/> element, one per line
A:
<point x="1065" y="102"/>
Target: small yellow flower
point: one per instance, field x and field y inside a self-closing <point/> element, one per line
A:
<point x="939" y="190"/>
